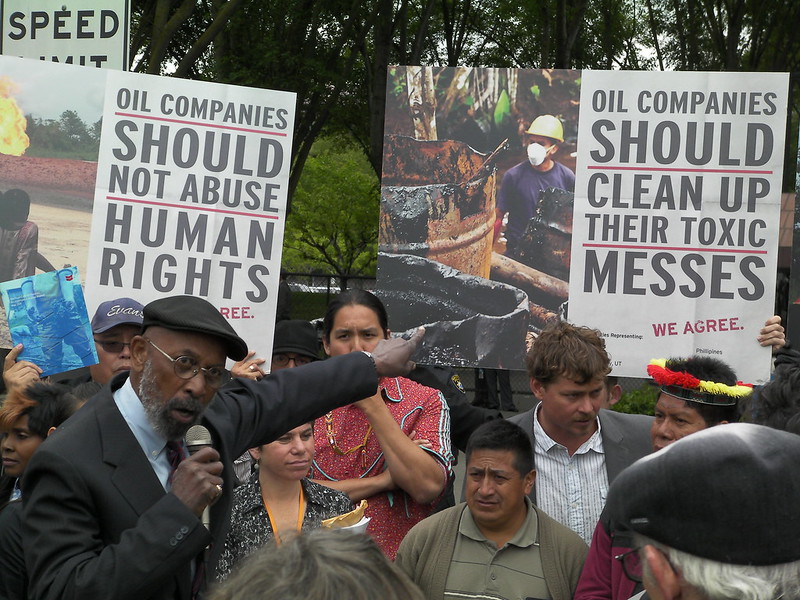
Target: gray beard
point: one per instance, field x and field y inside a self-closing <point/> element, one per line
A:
<point x="158" y="410"/>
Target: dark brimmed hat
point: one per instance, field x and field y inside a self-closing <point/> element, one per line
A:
<point x="729" y="493"/>
<point x="189" y="313"/>
<point x="298" y="336"/>
<point x="121" y="311"/>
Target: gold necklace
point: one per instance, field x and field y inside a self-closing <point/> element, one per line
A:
<point x="332" y="441"/>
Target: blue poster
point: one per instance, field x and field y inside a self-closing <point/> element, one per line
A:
<point x="47" y="314"/>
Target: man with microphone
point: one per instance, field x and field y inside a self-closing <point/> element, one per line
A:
<point x="112" y="502"/>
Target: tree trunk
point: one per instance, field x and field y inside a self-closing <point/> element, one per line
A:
<point x="422" y="102"/>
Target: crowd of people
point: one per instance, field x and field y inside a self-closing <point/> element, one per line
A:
<point x="568" y="500"/>
<point x="160" y="474"/>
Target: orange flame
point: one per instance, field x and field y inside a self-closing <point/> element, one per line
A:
<point x="13" y="139"/>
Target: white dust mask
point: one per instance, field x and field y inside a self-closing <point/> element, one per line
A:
<point x="536" y="154"/>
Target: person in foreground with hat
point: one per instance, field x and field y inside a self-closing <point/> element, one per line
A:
<point x="714" y="516"/>
<point x="523" y="184"/>
<point x="112" y="505"/>
<point x="695" y="393"/>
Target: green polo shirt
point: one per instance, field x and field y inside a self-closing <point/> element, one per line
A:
<point x="479" y="570"/>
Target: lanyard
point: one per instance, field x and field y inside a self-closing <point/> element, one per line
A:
<point x="300" y="513"/>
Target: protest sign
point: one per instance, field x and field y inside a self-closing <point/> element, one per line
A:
<point x="665" y="237"/>
<point x="191" y="196"/>
<point x="91" y="32"/>
<point x="188" y="195"/>
<point x="677" y="206"/>
<point x="451" y="136"/>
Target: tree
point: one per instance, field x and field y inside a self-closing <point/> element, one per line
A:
<point x="334" y="54"/>
<point x="74" y="128"/>
<point x="335" y="216"/>
<point x="177" y="35"/>
<point x="306" y="47"/>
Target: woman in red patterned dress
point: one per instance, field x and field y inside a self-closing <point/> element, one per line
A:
<point x="393" y="448"/>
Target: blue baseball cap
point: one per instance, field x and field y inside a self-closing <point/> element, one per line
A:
<point x="122" y="311"/>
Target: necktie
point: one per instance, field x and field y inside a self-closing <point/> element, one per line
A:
<point x="174" y="457"/>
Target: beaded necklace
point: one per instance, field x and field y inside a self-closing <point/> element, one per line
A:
<point x="332" y="441"/>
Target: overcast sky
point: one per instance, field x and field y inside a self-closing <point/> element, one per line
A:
<point x="48" y="89"/>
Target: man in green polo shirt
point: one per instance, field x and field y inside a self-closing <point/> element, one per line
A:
<point x="498" y="544"/>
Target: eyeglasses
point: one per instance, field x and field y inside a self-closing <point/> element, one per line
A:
<point x="631" y="564"/>
<point x="186" y="367"/>
<point x="281" y="360"/>
<point x="111" y="346"/>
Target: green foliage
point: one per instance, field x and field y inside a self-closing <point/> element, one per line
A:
<point x="641" y="401"/>
<point x="68" y="137"/>
<point x="502" y="110"/>
<point x="334" y="54"/>
<point x="309" y="305"/>
<point x="334" y="220"/>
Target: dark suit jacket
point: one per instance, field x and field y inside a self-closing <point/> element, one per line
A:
<point x="98" y="523"/>
<point x="626" y="439"/>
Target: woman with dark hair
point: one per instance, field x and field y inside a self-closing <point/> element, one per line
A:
<point x="26" y="419"/>
<point x="393" y="448"/>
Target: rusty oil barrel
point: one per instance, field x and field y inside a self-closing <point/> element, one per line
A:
<point x="469" y="321"/>
<point x="438" y="203"/>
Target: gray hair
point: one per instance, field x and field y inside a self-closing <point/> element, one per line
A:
<point x="722" y="581"/>
<point x="322" y="564"/>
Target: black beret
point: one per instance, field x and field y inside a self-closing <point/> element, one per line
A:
<point x="189" y="313"/>
<point x="298" y="336"/>
<point x="730" y="493"/>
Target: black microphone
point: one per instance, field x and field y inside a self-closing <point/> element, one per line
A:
<point x="197" y="438"/>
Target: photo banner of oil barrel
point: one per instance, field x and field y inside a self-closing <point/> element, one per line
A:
<point x="508" y="203"/>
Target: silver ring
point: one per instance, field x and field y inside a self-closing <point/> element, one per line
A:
<point x="219" y="489"/>
<point x="252" y="367"/>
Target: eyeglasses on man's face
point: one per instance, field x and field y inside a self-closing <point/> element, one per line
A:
<point x="281" y="359"/>
<point x="187" y="367"/>
<point x="631" y="564"/>
<point x="112" y="346"/>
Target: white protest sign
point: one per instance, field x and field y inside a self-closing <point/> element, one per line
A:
<point x="191" y="197"/>
<point x="677" y="205"/>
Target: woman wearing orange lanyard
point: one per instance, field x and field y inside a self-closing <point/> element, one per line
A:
<point x="278" y="501"/>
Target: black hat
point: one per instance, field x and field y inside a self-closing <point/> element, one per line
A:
<point x="298" y="336"/>
<point x="730" y="493"/>
<point x="189" y="313"/>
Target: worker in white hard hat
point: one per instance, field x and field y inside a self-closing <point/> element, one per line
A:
<point x="523" y="184"/>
